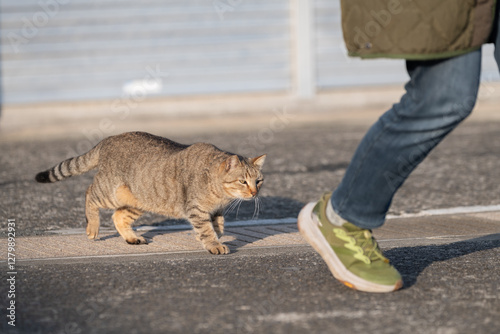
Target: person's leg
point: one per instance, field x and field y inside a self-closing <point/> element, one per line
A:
<point x="439" y="95"/>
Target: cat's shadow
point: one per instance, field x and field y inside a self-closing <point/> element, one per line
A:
<point x="238" y="235"/>
<point x="268" y="207"/>
<point x="149" y="235"/>
<point x="412" y="261"/>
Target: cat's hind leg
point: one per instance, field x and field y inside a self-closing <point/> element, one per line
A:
<point x="97" y="197"/>
<point x="123" y="219"/>
<point x="92" y="204"/>
<point x="127" y="213"/>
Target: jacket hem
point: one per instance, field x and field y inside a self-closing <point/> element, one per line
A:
<point x="429" y="56"/>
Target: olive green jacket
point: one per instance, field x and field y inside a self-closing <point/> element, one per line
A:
<point x="415" y="29"/>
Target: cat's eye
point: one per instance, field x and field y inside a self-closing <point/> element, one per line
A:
<point x="260" y="181"/>
<point x="243" y="182"/>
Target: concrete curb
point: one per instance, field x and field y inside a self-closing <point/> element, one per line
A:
<point x="397" y="232"/>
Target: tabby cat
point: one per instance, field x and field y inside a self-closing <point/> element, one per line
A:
<point x="139" y="172"/>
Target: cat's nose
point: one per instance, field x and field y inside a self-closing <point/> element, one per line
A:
<point x="253" y="192"/>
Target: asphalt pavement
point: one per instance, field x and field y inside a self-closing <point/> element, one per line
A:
<point x="272" y="282"/>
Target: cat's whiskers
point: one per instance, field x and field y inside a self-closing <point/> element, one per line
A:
<point x="256" y="207"/>
<point x="239" y="204"/>
<point x="234" y="203"/>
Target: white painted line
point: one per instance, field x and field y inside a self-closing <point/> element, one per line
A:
<point x="449" y="211"/>
<point x="446" y="237"/>
<point x="476" y="237"/>
<point x="202" y="251"/>
<point x="181" y="252"/>
<point x="183" y="227"/>
<point x="292" y="220"/>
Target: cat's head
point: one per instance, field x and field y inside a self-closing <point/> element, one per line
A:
<point x="242" y="177"/>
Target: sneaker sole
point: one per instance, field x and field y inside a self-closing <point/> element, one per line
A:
<point x="315" y="238"/>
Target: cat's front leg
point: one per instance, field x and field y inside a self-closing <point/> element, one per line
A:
<point x="218" y="224"/>
<point x="202" y="225"/>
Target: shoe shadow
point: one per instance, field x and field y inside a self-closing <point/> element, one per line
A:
<point x="422" y="257"/>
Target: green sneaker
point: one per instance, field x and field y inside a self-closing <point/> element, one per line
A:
<point x="351" y="253"/>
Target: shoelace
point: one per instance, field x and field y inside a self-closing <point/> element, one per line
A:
<point x="362" y="243"/>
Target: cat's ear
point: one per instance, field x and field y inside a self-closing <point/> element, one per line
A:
<point x="231" y="163"/>
<point x="259" y="161"/>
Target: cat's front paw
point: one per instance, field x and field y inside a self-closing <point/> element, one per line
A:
<point x="137" y="241"/>
<point x="92" y="233"/>
<point x="217" y="248"/>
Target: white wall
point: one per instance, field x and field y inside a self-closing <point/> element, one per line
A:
<point x="80" y="50"/>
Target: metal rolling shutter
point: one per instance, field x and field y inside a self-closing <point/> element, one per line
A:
<point x="101" y="49"/>
<point x="336" y="69"/>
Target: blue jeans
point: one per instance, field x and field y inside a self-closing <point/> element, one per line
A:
<point x="439" y="95"/>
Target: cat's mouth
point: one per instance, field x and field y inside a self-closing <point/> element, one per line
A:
<point x="246" y="197"/>
<point x="251" y="196"/>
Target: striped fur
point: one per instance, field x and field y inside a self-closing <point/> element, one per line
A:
<point x="70" y="167"/>
<point x="139" y="172"/>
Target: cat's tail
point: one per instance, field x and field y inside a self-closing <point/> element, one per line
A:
<point x="71" y="167"/>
